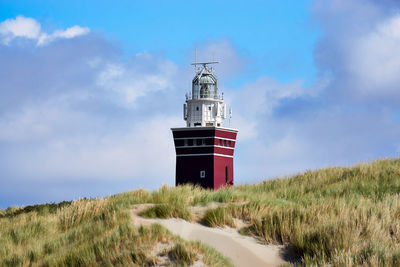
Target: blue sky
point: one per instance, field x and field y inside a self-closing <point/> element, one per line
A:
<point x="262" y="30"/>
<point x="89" y="90"/>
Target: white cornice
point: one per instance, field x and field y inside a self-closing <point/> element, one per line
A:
<point x="205" y="128"/>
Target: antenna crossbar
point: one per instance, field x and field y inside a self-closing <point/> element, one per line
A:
<point x="205" y="63"/>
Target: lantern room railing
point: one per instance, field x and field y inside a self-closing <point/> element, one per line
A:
<point x="205" y="96"/>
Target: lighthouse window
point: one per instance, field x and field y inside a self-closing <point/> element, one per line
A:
<point x="198" y="142"/>
<point x="224" y="142"/>
<point x="209" y="108"/>
<point x="185" y="142"/>
<point x="202" y="174"/>
<point x="196" y="90"/>
<point x="229" y="143"/>
<point x="203" y="142"/>
<point x="220" y="142"/>
<point x="190" y="142"/>
<point x="197" y="108"/>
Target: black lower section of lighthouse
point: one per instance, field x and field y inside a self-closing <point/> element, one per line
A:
<point x="204" y="156"/>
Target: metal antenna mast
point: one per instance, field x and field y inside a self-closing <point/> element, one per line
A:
<point x="195" y="55"/>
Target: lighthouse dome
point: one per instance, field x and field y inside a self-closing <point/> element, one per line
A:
<point x="206" y="78"/>
<point x="204" y="85"/>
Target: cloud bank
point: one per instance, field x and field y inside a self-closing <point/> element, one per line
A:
<point x="72" y="111"/>
<point x="349" y="114"/>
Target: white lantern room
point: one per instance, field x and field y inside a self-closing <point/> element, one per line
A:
<point x="204" y="107"/>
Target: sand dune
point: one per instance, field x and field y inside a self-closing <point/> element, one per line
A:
<point x="242" y="250"/>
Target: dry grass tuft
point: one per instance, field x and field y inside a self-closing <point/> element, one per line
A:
<point x="218" y="217"/>
<point x="182" y="255"/>
<point x="174" y="210"/>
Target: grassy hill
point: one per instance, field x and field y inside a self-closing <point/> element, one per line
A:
<point x="337" y="216"/>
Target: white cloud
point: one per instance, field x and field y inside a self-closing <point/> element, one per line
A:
<point x="47" y="121"/>
<point x="82" y="126"/>
<point x="130" y="80"/>
<point x="55" y="140"/>
<point x="253" y="104"/>
<point x="29" y="28"/>
<point x="19" y="27"/>
<point x="263" y="95"/>
<point x="71" y="32"/>
<point x="138" y="152"/>
<point x="374" y="59"/>
<point x="23" y="126"/>
<point x="360" y="49"/>
<point x="67" y="34"/>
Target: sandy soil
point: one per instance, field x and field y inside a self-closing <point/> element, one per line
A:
<point x="242" y="250"/>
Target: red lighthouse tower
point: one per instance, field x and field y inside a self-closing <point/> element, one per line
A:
<point x="204" y="148"/>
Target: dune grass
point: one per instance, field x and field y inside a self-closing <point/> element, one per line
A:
<point x="332" y="216"/>
<point x="182" y="255"/>
<point x="87" y="232"/>
<point x="167" y="211"/>
<point x="218" y="217"/>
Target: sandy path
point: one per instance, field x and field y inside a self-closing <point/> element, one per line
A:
<point x="242" y="250"/>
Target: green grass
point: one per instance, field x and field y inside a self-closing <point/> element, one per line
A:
<point x="333" y="216"/>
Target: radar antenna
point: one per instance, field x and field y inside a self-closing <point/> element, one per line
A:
<point x="205" y="65"/>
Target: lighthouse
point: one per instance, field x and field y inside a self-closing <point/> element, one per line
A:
<point x="204" y="148"/>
